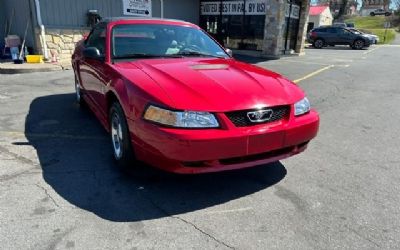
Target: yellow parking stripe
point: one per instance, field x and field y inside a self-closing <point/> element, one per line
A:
<point x="313" y="73"/>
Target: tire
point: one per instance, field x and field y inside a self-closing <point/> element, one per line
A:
<point x="120" y="138"/>
<point x="318" y="44"/>
<point x="372" y="14"/>
<point x="358" y="44"/>
<point x="78" y="93"/>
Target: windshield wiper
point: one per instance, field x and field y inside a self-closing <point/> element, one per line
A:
<point x="143" y="55"/>
<point x="195" y="53"/>
<point x="178" y="55"/>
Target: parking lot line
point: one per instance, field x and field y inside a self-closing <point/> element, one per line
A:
<point x="371" y="50"/>
<point x="313" y="73"/>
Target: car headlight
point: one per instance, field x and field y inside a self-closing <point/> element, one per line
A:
<point x="302" y="107"/>
<point x="180" y="119"/>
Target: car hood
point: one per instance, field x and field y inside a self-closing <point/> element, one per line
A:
<point x="215" y="85"/>
<point x="367" y="35"/>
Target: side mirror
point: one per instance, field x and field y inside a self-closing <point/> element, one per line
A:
<point x="229" y="52"/>
<point x="93" y="53"/>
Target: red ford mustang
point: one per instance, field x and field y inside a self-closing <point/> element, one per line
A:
<point x="172" y="97"/>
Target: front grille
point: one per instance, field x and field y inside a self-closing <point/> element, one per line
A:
<point x="240" y="118"/>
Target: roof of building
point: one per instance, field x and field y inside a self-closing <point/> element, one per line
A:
<point x="317" y="10"/>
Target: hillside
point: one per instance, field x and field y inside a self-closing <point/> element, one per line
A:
<point x="370" y="22"/>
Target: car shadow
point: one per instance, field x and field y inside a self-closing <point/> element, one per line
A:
<point x="75" y="156"/>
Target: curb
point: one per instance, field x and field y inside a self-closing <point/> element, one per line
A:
<point x="12" y="70"/>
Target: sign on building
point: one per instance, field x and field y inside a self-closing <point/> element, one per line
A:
<point x="295" y="13"/>
<point x="253" y="7"/>
<point x="137" y="8"/>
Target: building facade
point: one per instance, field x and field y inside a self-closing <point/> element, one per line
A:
<point x="319" y="16"/>
<point x="271" y="27"/>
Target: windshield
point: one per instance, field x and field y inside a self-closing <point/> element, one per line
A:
<point x="159" y="40"/>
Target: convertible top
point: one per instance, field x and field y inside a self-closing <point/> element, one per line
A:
<point x="107" y="20"/>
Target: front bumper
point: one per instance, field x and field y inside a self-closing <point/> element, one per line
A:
<point x="230" y="147"/>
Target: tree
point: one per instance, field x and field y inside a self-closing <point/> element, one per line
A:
<point x="338" y="7"/>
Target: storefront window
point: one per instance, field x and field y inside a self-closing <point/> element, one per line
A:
<point x="291" y="29"/>
<point x="237" y="24"/>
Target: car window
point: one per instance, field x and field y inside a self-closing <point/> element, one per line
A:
<point x="97" y="39"/>
<point x="344" y="31"/>
<point x="355" y="31"/>
<point x="321" y="30"/>
<point x="332" y="30"/>
<point x="162" y="40"/>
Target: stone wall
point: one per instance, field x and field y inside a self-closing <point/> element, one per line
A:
<point x="61" y="41"/>
<point x="273" y="31"/>
<point x="273" y="44"/>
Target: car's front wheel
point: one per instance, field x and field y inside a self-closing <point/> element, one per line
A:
<point x="78" y="92"/>
<point x="120" y="138"/>
<point x="319" y="43"/>
<point x="358" y="44"/>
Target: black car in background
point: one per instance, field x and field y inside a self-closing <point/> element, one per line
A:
<point x="333" y="35"/>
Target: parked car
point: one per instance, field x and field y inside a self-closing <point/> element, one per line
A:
<point x="374" y="38"/>
<point x="380" y="12"/>
<point x="331" y="35"/>
<point x="172" y="97"/>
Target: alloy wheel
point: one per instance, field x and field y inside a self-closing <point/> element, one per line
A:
<point x="359" y="44"/>
<point x="77" y="91"/>
<point x="318" y="44"/>
<point x="116" y="135"/>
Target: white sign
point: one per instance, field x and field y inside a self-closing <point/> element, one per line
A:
<point x="253" y="7"/>
<point x="137" y="7"/>
<point x="295" y="11"/>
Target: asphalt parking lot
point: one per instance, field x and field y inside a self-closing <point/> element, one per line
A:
<point x="59" y="188"/>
